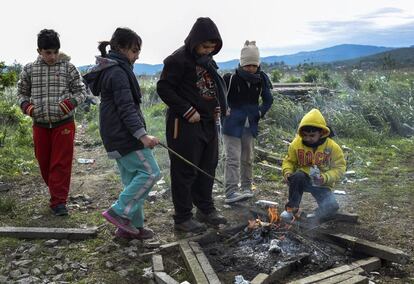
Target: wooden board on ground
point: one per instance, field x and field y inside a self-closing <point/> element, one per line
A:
<point x="340" y="217"/>
<point x="157" y="264"/>
<point x="204" y="263"/>
<point x="370" y="248"/>
<point x="48" y="233"/>
<point x="259" y="279"/>
<point x="270" y="167"/>
<point x="286" y="268"/>
<point x="192" y="263"/>
<point x="368" y="265"/>
<point x="263" y="154"/>
<point x="164" y="278"/>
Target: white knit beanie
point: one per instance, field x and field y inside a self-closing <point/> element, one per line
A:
<point x="249" y="54"/>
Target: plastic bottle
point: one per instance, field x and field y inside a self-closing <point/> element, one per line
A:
<point x="315" y="175"/>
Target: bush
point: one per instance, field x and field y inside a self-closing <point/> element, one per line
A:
<point x="276" y="75"/>
<point x="311" y="76"/>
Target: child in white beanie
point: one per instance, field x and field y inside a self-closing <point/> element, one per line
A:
<point x="245" y="86"/>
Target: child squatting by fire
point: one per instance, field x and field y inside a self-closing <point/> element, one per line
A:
<point x="314" y="163"/>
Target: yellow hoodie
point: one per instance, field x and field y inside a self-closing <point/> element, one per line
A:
<point x="328" y="156"/>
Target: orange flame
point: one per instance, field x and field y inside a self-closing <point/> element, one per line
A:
<point x="273" y="215"/>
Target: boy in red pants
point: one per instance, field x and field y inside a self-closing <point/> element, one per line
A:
<point x="49" y="89"/>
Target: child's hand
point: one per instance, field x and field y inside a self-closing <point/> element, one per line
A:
<point x="319" y="180"/>
<point x="149" y="141"/>
<point x="194" y="118"/>
<point x="286" y="177"/>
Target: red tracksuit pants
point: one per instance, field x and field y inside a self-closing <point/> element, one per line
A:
<point x="54" y="152"/>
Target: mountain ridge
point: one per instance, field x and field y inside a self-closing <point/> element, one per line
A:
<point x="340" y="52"/>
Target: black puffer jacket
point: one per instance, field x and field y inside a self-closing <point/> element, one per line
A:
<point x="177" y="85"/>
<point x="120" y="117"/>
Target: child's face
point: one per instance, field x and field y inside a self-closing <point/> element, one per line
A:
<point x="131" y="53"/>
<point x="311" y="137"/>
<point x="250" y="68"/>
<point x="205" y="48"/>
<point x="50" y="56"/>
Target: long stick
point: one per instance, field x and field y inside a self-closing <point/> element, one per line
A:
<point x="190" y="163"/>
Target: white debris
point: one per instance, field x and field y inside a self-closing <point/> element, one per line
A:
<point x="240" y="280"/>
<point x="340" y="192"/>
<point x="274" y="246"/>
<point x="395" y="147"/>
<point x="86" y="161"/>
<point x="350" y="173"/>
<point x="266" y="203"/>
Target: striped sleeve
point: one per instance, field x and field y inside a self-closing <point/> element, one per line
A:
<point x="24" y="85"/>
<point x="76" y="86"/>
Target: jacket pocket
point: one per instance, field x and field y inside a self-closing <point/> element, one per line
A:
<point x="175" y="134"/>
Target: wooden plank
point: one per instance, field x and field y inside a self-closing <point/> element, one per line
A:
<point x="357" y="279"/>
<point x="369" y="264"/>
<point x="339" y="217"/>
<point x="48" y="233"/>
<point x="169" y="246"/>
<point x="370" y="248"/>
<point x="263" y="154"/>
<point x="204" y="263"/>
<point x="259" y="279"/>
<point x="270" y="167"/>
<point x="164" y="278"/>
<point x="280" y="272"/>
<point x="157" y="264"/>
<point x="192" y="263"/>
<point x="323" y="275"/>
<point x="365" y="264"/>
<point x="341" y="277"/>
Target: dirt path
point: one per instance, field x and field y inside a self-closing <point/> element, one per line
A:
<point x="386" y="217"/>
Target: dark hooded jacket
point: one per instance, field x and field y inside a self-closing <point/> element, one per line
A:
<point x="177" y="85"/>
<point x="120" y="117"/>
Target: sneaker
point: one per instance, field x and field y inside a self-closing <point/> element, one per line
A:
<point x="119" y="221"/>
<point x="213" y="218"/>
<point x="248" y="192"/>
<point x="235" y="197"/>
<point x="190" y="225"/>
<point x="60" y="210"/>
<point x="143" y="234"/>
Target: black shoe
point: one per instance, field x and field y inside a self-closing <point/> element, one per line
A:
<point x="190" y="226"/>
<point x="212" y="218"/>
<point x="60" y="210"/>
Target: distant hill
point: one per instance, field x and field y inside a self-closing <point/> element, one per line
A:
<point x="330" y="54"/>
<point x="396" y="58"/>
<point x="335" y="53"/>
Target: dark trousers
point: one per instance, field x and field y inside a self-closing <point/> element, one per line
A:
<point x="198" y="143"/>
<point x="299" y="183"/>
<point x="54" y="152"/>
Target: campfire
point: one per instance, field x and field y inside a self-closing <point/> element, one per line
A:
<point x="267" y="243"/>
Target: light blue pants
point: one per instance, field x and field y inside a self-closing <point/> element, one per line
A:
<point x="139" y="172"/>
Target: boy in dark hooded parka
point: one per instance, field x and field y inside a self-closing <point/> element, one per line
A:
<point x="195" y="95"/>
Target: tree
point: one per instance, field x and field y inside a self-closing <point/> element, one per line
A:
<point x="276" y="75"/>
<point x="7" y="77"/>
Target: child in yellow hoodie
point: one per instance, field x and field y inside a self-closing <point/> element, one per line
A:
<point x="314" y="164"/>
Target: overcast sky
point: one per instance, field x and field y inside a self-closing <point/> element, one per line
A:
<point x="279" y="27"/>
